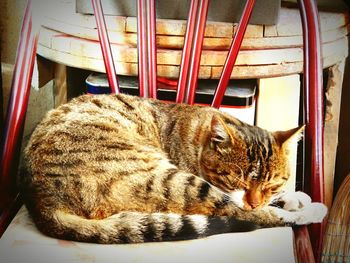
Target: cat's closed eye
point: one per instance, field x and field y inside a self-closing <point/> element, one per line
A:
<point x="222" y="172"/>
<point x="272" y="188"/>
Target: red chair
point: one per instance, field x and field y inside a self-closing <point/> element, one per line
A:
<point x="313" y="94"/>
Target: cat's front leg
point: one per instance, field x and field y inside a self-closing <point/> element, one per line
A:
<point x="297" y="208"/>
<point x="311" y="213"/>
<point x="291" y="201"/>
<point x="286" y="208"/>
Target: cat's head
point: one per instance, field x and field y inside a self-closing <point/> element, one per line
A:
<point x="247" y="162"/>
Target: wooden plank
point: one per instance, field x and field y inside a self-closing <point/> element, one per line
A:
<point x="91" y="49"/>
<point x="289" y="41"/>
<point x="178" y="28"/>
<point x="88" y="33"/>
<point x="260" y="71"/>
<point x="126" y="38"/>
<point x="46" y="36"/>
<point x="335" y="34"/>
<point x="278" y="109"/>
<point x="244" y="71"/>
<point x="113" y="23"/>
<point x="263" y="71"/>
<point x="272" y="42"/>
<point x="335" y="46"/>
<point x="80" y="47"/>
<point x="289" y="23"/>
<point x="220" y="29"/>
<point x="333" y="101"/>
<point x="171" y="41"/>
<point x="254" y="31"/>
<point x="6" y="78"/>
<point x="332" y="54"/>
<point x="270" y="31"/>
<point x="163" y="26"/>
<point x="60" y="84"/>
<point x="43" y="72"/>
<point x="123" y="68"/>
<point x="332" y="20"/>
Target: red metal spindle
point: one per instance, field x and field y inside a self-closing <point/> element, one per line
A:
<point x="303" y="246"/>
<point x="142" y="48"/>
<point x="313" y="95"/>
<point x="232" y="55"/>
<point x="191" y="84"/>
<point x="151" y="48"/>
<point x="105" y="46"/>
<point x="186" y="52"/>
<point x="18" y="102"/>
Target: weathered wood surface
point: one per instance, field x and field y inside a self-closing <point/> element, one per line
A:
<point x="86" y="54"/>
<point x="267" y="51"/>
<point x="333" y="101"/>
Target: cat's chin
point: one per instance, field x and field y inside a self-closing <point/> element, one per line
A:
<point x="237" y="198"/>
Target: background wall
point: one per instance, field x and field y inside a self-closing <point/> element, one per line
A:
<point x="10" y="25"/>
<point x="11" y="15"/>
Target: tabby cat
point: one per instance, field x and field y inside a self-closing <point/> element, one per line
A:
<point x="123" y="169"/>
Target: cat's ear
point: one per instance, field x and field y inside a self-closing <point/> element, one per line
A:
<point x="219" y="130"/>
<point x="284" y="138"/>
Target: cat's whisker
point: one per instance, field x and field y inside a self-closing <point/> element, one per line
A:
<point x="241" y="178"/>
<point x="241" y="181"/>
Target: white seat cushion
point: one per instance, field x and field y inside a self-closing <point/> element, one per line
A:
<point x="22" y="242"/>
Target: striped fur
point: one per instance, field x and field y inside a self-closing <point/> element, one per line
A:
<point x="122" y="169"/>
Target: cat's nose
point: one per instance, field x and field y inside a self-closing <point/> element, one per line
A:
<point x="254" y="205"/>
<point x="254" y="198"/>
<point x="250" y="205"/>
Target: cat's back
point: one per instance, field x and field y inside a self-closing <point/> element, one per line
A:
<point x="89" y="126"/>
<point x="91" y="115"/>
<point x="99" y="111"/>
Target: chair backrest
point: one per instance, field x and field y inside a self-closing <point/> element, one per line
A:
<point x="186" y="87"/>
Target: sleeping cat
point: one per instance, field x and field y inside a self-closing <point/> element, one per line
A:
<point x="123" y="169"/>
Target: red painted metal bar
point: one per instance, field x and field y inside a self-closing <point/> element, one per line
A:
<point x="191" y="85"/>
<point x="192" y="51"/>
<point x="11" y="140"/>
<point x="313" y="95"/>
<point x="18" y="102"/>
<point x="147" y="54"/>
<point x="186" y="52"/>
<point x="141" y="48"/>
<point x="151" y="48"/>
<point x="232" y="55"/>
<point x="303" y="246"/>
<point x="105" y="46"/>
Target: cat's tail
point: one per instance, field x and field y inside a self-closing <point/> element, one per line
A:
<point x="134" y="227"/>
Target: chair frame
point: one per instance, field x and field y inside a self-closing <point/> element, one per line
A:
<point x="312" y="87"/>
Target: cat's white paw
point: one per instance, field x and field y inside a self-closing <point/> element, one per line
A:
<point x="311" y="213"/>
<point x="294" y="201"/>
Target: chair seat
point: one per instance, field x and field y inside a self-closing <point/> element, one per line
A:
<point x="22" y="242"/>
